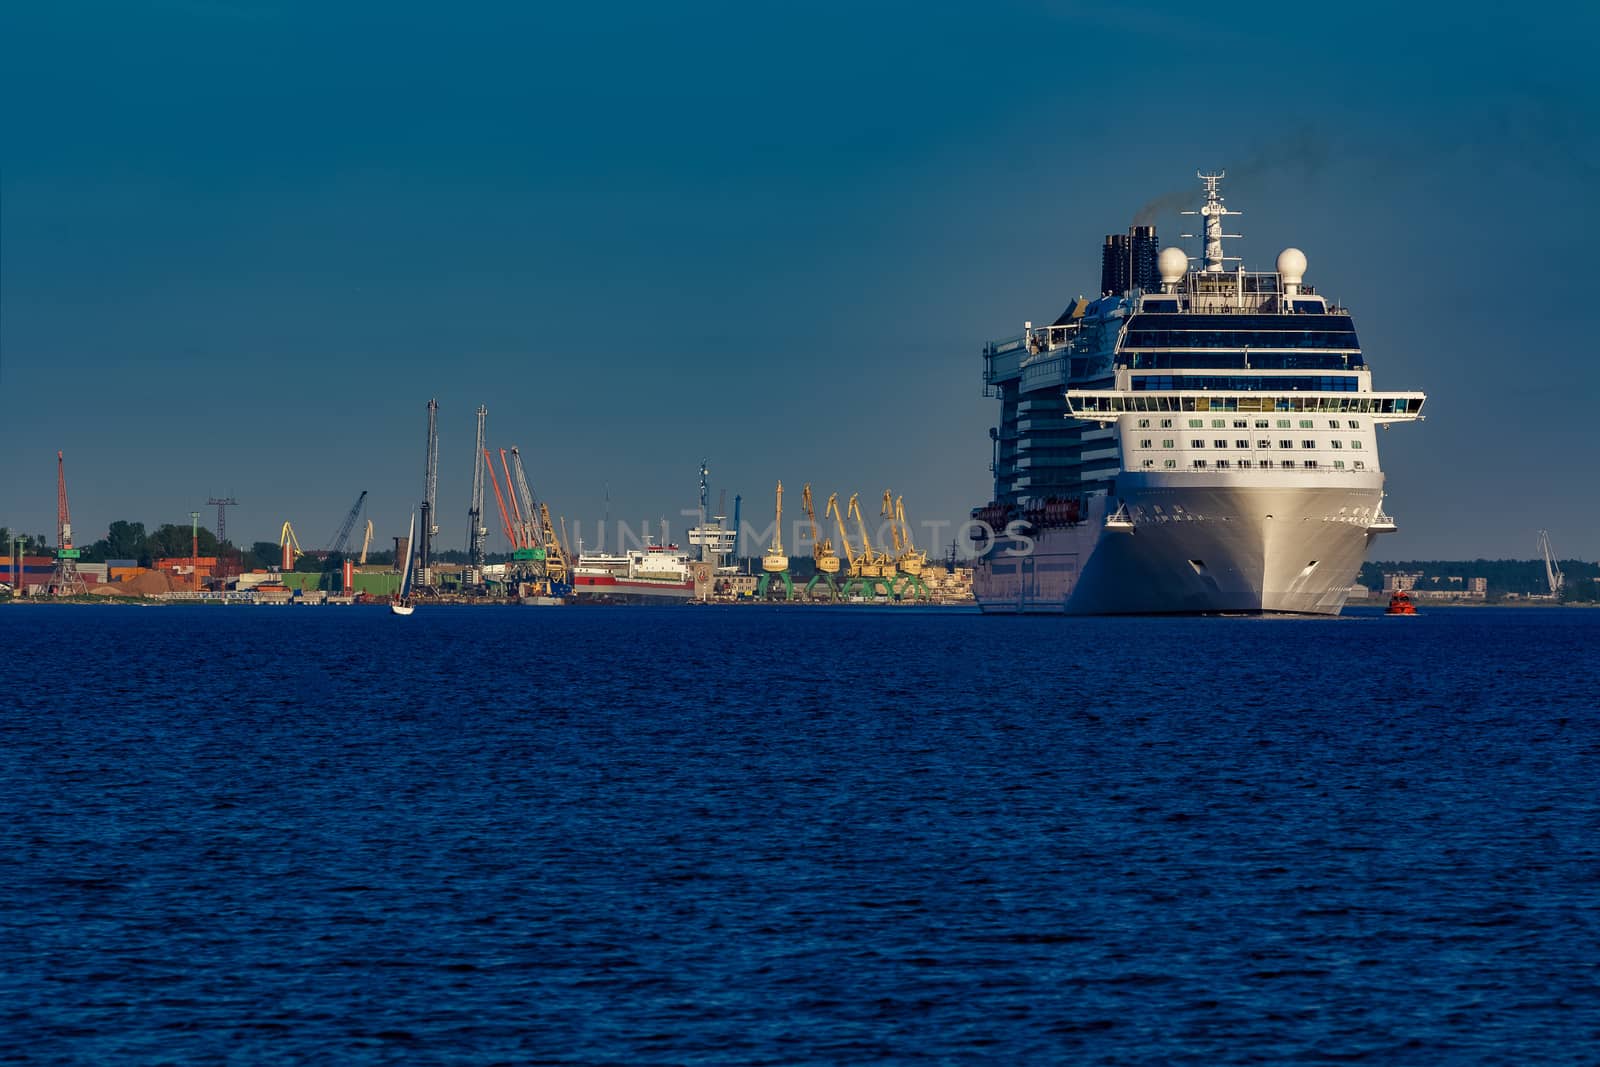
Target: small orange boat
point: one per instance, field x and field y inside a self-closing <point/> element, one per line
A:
<point x="1400" y="604"/>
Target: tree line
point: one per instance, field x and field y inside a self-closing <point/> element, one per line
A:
<point x="126" y="539"/>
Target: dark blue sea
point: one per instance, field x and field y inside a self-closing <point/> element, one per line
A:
<point x="751" y="835"/>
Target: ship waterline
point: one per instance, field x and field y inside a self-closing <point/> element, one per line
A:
<point x="1196" y="549"/>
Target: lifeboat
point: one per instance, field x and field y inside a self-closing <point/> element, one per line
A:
<point x="1400" y="604"/>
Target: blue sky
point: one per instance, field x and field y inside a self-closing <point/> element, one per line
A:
<point x="242" y="243"/>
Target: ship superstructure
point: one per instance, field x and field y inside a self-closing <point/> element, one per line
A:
<point x="1205" y="444"/>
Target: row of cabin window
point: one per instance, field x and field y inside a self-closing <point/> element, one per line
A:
<point x="1245" y="464"/>
<point x="1261" y="442"/>
<point x="1261" y="424"/>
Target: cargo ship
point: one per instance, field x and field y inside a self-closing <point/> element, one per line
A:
<point x="652" y="574"/>
<point x="1199" y="438"/>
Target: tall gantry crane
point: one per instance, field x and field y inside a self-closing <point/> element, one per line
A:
<point x="65" y="580"/>
<point x="477" y="532"/>
<point x="1552" y="569"/>
<point x="822" y="554"/>
<point x="775" y="564"/>
<point x="430" y="490"/>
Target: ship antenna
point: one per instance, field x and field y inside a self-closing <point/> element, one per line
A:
<point x="1213" y="211"/>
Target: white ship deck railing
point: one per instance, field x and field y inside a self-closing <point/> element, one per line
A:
<point x="1109" y="405"/>
<point x="1264" y="467"/>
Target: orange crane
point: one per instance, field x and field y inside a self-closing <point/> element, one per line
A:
<point x="500" y="500"/>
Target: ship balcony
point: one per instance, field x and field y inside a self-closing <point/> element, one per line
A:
<point x="1058" y="462"/>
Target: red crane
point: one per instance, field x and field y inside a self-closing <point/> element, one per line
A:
<point x="505" y="517"/>
<point x="66" y="581"/>
<point x="63" y="515"/>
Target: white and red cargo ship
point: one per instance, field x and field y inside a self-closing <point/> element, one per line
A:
<point x="649" y="575"/>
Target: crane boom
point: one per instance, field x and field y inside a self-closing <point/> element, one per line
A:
<point x="505" y="518"/>
<point x="811" y="515"/>
<point x="289" y="545"/>
<point x="516" y="508"/>
<point x="776" y="559"/>
<point x="366" y="543"/>
<point x="342" y="536"/>
<point x="821" y="548"/>
<point x="887" y="512"/>
<point x="871" y="563"/>
<point x="908" y="558"/>
<point x="844" y="537"/>
<point x="530" y="518"/>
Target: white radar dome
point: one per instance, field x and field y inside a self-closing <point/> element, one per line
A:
<point x="1172" y="264"/>
<point x="1291" y="266"/>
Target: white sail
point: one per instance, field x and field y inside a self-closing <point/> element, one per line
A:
<point x="405" y="572"/>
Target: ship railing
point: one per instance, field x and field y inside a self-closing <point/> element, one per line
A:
<point x="1120" y="521"/>
<point x="1264" y="467"/>
<point x="1109" y="405"/>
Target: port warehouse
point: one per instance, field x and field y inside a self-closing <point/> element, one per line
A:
<point x="36" y="572"/>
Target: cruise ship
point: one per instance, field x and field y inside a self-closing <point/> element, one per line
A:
<point x="1199" y="438"/>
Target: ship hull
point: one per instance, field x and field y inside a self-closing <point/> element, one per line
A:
<point x="1195" y="549"/>
<point x="606" y="589"/>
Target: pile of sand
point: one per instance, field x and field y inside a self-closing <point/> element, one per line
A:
<point x="150" y="583"/>
<point x="111" y="589"/>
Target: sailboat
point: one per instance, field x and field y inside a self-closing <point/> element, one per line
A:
<point x="401" y="604"/>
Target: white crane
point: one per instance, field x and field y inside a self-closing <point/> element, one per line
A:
<point x="1552" y="569"/>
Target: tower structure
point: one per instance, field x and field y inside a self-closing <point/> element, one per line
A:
<point x="222" y="505"/>
<point x="66" y="581"/>
<point x="430" y="489"/>
<point x="1213" y="212"/>
<point x="477" y="532"/>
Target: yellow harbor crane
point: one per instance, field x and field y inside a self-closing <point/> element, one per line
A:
<point x="822" y="553"/>
<point x="290" y="545"/>
<point x="555" y="550"/>
<point x="775" y="564"/>
<point x="908" y="558"/>
<point x="366" y="543"/>
<point x="870" y="574"/>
